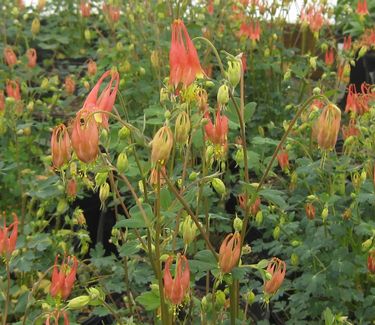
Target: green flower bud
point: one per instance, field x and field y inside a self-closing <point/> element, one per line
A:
<point x="362" y="52"/>
<point x="250" y="297"/>
<point x="78" y="302"/>
<point x="325" y="214"/>
<point x="259" y="217"/>
<point x="35" y="26"/>
<point x="87" y="35"/>
<point x="193" y="176"/>
<point x="237" y="224"/>
<point x="62" y="206"/>
<point x="317" y="91"/>
<point x="234" y="72"/>
<point x="294" y="259"/>
<point x="367" y="244"/>
<point x="182" y="128"/>
<point x="239" y="156"/>
<point x="312" y="62"/>
<point x="223" y="95"/>
<point x="101" y="178"/>
<point x="96" y="296"/>
<point x="104" y="191"/>
<point x="122" y="162"/>
<point x="220" y="298"/>
<point x="287" y="75"/>
<point x="123" y="133"/>
<point x="189" y="230"/>
<point x="295" y="243"/>
<point x="164" y="95"/>
<point x="218" y="185"/>
<point x="276" y="233"/>
<point x="363" y="175"/>
<point x="44" y="84"/>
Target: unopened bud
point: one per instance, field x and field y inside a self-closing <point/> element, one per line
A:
<point x="276" y="233"/>
<point x="250" y="297"/>
<point x="325" y="214"/>
<point x="237" y="224"/>
<point x="78" y="302"/>
<point x="182" y="128"/>
<point x="366" y="245"/>
<point x="234" y="72"/>
<point x="220" y="298"/>
<point x="62" y="206"/>
<point x="101" y="178"/>
<point x="35" y="26"/>
<point x="259" y="217"/>
<point x="104" y="191"/>
<point x="223" y="95"/>
<point x="193" y="176"/>
<point x="123" y="133"/>
<point x="363" y="50"/>
<point x="317" y="91"/>
<point x="122" y="162"/>
<point x="218" y="185"/>
<point x="294" y="259"/>
<point x="312" y="62"/>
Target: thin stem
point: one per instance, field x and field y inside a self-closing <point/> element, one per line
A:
<point x="189" y="211"/>
<point x="6" y="292"/>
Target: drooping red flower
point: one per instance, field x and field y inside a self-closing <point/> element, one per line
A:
<point x="362" y="9"/>
<point x="251" y="30"/>
<point x="106" y="99"/>
<point x="313" y="17"/>
<point x="31" y="57"/>
<point x="310" y="211"/>
<point x="71" y="188"/>
<point x="85" y="136"/>
<point x="56" y="315"/>
<point x="183" y="57"/>
<point x="60" y="146"/>
<point x="253" y="208"/>
<point x="9" y="56"/>
<point x="91" y="68"/>
<point x="175" y="289"/>
<point x="217" y="133"/>
<point x="347" y="43"/>
<point x="328" y="126"/>
<point x="70" y="85"/>
<point x="85" y="8"/>
<point x="283" y="159"/>
<point x="63" y="277"/>
<point x="277" y="269"/>
<point x="8" y="236"/>
<point x="329" y="57"/>
<point x="13" y="89"/>
<point x="112" y="12"/>
<point x="350" y="130"/>
<point x="230" y="251"/>
<point x="210" y="7"/>
<point x="371" y="261"/>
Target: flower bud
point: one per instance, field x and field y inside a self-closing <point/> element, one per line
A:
<point x="312" y="62"/>
<point x="96" y="296"/>
<point x="237" y="224"/>
<point x="276" y="233"/>
<point x="363" y="50"/>
<point x="328" y="126"/>
<point x="325" y="214"/>
<point x="366" y="245"/>
<point x="218" y="185"/>
<point x="78" y="302"/>
<point x="164" y="95"/>
<point x="162" y="144"/>
<point x="287" y="75"/>
<point x="310" y="211"/>
<point x="182" y="128"/>
<point x="234" y="72"/>
<point x="155" y="59"/>
<point x="220" y="298"/>
<point x="193" y="176"/>
<point x="87" y="35"/>
<point x="100" y="178"/>
<point x="122" y="162"/>
<point x="35" y="26"/>
<point x="250" y="297"/>
<point x="294" y="259"/>
<point x="104" y="191"/>
<point x="123" y="133"/>
<point x="189" y="230"/>
<point x="223" y="95"/>
<point x="259" y="217"/>
<point x="62" y="206"/>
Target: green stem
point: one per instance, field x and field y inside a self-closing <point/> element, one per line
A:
<point x="6" y="307"/>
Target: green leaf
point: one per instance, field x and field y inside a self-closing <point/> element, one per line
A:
<point x="137" y="218"/>
<point x="275" y="197"/>
<point x="150" y="300"/>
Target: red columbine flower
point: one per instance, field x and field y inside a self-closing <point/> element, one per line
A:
<point x="31" y="57"/>
<point x="371" y="261"/>
<point x="70" y="85"/>
<point x="328" y="126"/>
<point x="230" y="251"/>
<point x="85" y="136"/>
<point x="217" y="133"/>
<point x="310" y="211"/>
<point x="210" y="7"/>
<point x="350" y="130"/>
<point x="183" y="57"/>
<point x="347" y="43"/>
<point x="85" y="8"/>
<point x="277" y="269"/>
<point x="329" y="57"/>
<point x="175" y="289"/>
<point x="60" y="146"/>
<point x="8" y="236"/>
<point x="362" y="8"/>
<point x="251" y="30"/>
<point x="351" y="99"/>
<point x="313" y="17"/>
<point x="112" y="12"/>
<point x="56" y="315"/>
<point x="9" y="56"/>
<point x="106" y="99"/>
<point x="162" y="144"/>
<point x="91" y="68"/>
<point x="13" y="89"/>
<point x="71" y="188"/>
<point x="63" y="280"/>
<point x="253" y="208"/>
<point x="283" y="159"/>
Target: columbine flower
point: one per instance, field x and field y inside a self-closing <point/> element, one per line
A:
<point x="313" y="17"/>
<point x="63" y="278"/>
<point x="277" y="269"/>
<point x="347" y="43"/>
<point x="217" y="133"/>
<point x="253" y="208"/>
<point x="106" y="99"/>
<point x="350" y="130"/>
<point x="85" y="136"/>
<point x="175" y="289"/>
<point x="162" y="144"/>
<point x="91" y="68"/>
<point x="13" y="89"/>
<point x="9" y="56"/>
<point x="60" y="146"/>
<point x="183" y="57"/>
<point x="329" y="57"/>
<point x="230" y="251"/>
<point x="70" y="85"/>
<point x="8" y="236"/>
<point x="310" y="211"/>
<point x="362" y="8"/>
<point x="31" y="57"/>
<point x="112" y="12"/>
<point x="283" y="159"/>
<point x="251" y="30"/>
<point x="85" y="8"/>
<point x="328" y="126"/>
